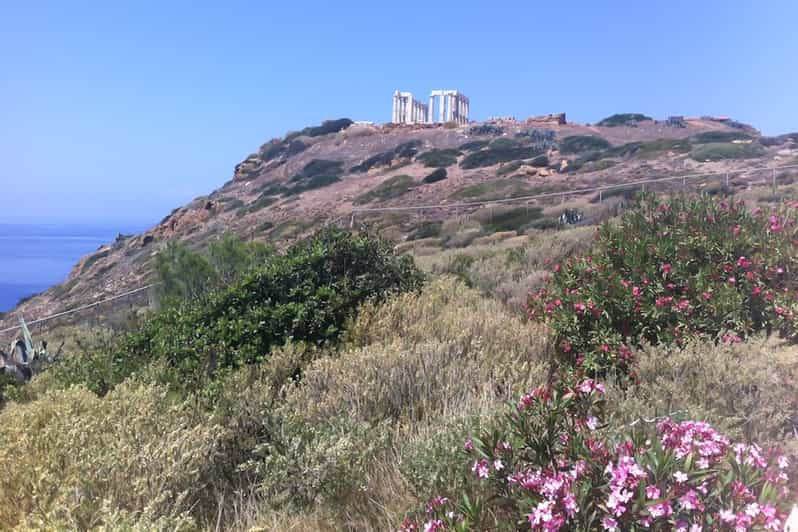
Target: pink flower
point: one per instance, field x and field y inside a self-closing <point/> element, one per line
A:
<point x="736" y="230"/>
<point x="680" y="477"/>
<point x="609" y="524"/>
<point x="742" y="262"/>
<point x="433" y="526"/>
<point x="468" y="445"/>
<point x="727" y="516"/>
<point x="731" y="281"/>
<point x="498" y="465"/>
<point x="707" y="295"/>
<point x="652" y="492"/>
<point x="662" y="509"/>
<point x="481" y="468"/>
<point x="580" y="308"/>
<point x="636" y="291"/>
<point x="666" y="269"/>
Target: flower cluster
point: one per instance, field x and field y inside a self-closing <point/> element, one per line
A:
<point x="549" y="469"/>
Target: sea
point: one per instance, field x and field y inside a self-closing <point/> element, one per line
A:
<point x="36" y="257"/>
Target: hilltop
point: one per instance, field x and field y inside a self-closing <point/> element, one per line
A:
<point x="292" y="185"/>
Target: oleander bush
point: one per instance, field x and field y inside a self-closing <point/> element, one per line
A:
<point x="549" y="466"/>
<point x="671" y="270"/>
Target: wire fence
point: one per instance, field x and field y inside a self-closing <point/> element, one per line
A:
<point x="746" y="172"/>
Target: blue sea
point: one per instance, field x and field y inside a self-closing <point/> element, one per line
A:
<point x="35" y="257"/>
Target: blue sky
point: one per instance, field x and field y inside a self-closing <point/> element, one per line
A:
<point x="120" y="111"/>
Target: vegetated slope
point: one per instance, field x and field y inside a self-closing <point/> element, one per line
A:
<point x="292" y="185"/>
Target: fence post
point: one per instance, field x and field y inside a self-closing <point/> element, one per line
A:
<point x="352" y="220"/>
<point x="774" y="181"/>
<point x="600" y="196"/>
<point x="643" y="188"/>
<point x="727" y="179"/>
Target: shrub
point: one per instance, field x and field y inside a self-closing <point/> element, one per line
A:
<point x="508" y="168"/>
<point x="439" y="158"/>
<point x="583" y="143"/>
<point x="262" y="201"/>
<point x="474" y="145"/>
<point x="544" y="136"/>
<point x="306" y="294"/>
<point x="392" y="187"/>
<point x="749" y="390"/>
<point x="491" y="156"/>
<point x="326" y="127"/>
<point x="404" y="151"/>
<point x="624" y="119"/>
<point x="504" y="143"/>
<point x="541" y="161"/>
<point x="425" y="230"/>
<point x="183" y="275"/>
<point x="548" y="467"/>
<point x="435" y="176"/>
<point x="719" y="136"/>
<point x="513" y="219"/>
<point x="721" y="151"/>
<point x="486" y="129"/>
<point x="669" y="271"/>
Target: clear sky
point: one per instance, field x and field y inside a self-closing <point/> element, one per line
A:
<point x="123" y="110"/>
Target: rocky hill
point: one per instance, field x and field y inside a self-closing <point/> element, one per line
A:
<point x="292" y="185"/>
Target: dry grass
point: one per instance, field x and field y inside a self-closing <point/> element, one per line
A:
<point x="749" y="391"/>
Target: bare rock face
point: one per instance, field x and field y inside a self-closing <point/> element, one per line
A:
<point x="248" y="168"/>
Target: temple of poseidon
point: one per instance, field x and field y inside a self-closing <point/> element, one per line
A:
<point x="453" y="106"/>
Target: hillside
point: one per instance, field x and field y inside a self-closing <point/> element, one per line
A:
<point x="306" y="179"/>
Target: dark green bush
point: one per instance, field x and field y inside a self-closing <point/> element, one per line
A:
<point x="439" y="158"/>
<point x="624" y="119"/>
<point x="304" y="295"/>
<point x="263" y="201"/>
<point x="326" y="127"/>
<point x="504" y="143"/>
<point x="491" y="156"/>
<point x="426" y="230"/>
<point x="474" y="145"/>
<point x="583" y="143"/>
<point x="390" y="188"/>
<point x="509" y="168"/>
<point x="486" y="129"/>
<point x="545" y="223"/>
<point x="514" y="219"/>
<point x="719" y="136"/>
<point x="318" y="181"/>
<point x="721" y="150"/>
<point x="406" y="150"/>
<point x="318" y="167"/>
<point x="437" y="175"/>
<point x="541" y="161"/>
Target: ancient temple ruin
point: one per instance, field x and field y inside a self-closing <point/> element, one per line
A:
<point x="452" y="106"/>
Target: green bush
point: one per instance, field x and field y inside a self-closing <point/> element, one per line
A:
<point x="262" y="201"/>
<point x="670" y="271"/>
<point x="513" y="219"/>
<point x="405" y="151"/>
<point x="486" y="129"/>
<point x="305" y="294"/>
<point x="434" y="177"/>
<point x="474" y="145"/>
<point x="624" y="119"/>
<point x="504" y="143"/>
<point x="719" y="136"/>
<point x="183" y="275"/>
<point x="583" y="143"/>
<point x="541" y="161"/>
<point x="426" y="230"/>
<point x="491" y="156"/>
<point x="720" y="151"/>
<point x="326" y="127"/>
<point x="439" y="158"/>
<point x="317" y="173"/>
<point x="390" y="188"/>
<point x="508" y="168"/>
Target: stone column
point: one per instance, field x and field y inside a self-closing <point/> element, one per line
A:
<point x="431" y="110"/>
<point x="393" y="109"/>
<point x="441" y="107"/>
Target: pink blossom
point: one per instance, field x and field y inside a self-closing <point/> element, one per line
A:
<point x="498" y="465"/>
<point x="609" y="524"/>
<point x="666" y="269"/>
<point x="652" y="492"/>
<point x="707" y="295"/>
<point x="580" y="308"/>
<point x="727" y="516"/>
<point x="636" y="291"/>
<point x="744" y="263"/>
<point x="680" y="477"/>
<point x="433" y="526"/>
<point x="468" y="445"/>
<point x="481" y="468"/>
<point x="736" y="230"/>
